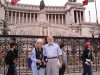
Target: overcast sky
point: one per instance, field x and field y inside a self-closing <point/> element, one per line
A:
<point x="90" y="7"/>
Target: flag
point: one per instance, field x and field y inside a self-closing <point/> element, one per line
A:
<point x="13" y="2"/>
<point x="91" y="0"/>
<point x="85" y="2"/>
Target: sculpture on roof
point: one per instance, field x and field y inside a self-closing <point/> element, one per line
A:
<point x="4" y="27"/>
<point x="72" y="0"/>
<point x="42" y="5"/>
<point x="2" y="3"/>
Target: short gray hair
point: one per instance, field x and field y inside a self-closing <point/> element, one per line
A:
<point x="39" y="40"/>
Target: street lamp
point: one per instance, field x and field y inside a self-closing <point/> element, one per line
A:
<point x="92" y="32"/>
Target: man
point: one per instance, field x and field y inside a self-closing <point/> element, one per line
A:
<point x="53" y="53"/>
<point x="87" y="59"/>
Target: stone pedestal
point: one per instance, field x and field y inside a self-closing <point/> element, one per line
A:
<point x="42" y="19"/>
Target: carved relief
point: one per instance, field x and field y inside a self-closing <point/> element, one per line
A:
<point x="45" y="31"/>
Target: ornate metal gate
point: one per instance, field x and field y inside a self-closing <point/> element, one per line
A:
<point x="74" y="47"/>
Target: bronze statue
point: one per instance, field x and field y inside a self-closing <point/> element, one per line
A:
<point x="2" y="3"/>
<point x="42" y="5"/>
<point x="4" y="23"/>
<point x="72" y="0"/>
<point x="5" y="28"/>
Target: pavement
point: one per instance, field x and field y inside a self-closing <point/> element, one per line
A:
<point x="94" y="73"/>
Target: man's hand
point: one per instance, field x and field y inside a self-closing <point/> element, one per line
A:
<point x="91" y="63"/>
<point x="87" y="63"/>
<point x="39" y="61"/>
<point x="59" y="64"/>
<point x="15" y="61"/>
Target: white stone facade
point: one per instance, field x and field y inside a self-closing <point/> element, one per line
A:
<point x="67" y="20"/>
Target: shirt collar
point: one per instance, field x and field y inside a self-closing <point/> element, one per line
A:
<point x="51" y="44"/>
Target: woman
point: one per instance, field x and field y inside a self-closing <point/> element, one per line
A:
<point x="37" y="57"/>
<point x="10" y="60"/>
<point x="87" y="59"/>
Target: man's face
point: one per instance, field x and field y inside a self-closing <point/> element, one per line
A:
<point x="14" y="47"/>
<point x="89" y="46"/>
<point x="50" y="39"/>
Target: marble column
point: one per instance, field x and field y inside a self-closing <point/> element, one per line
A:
<point x="83" y="15"/>
<point x="55" y="19"/>
<point x="80" y="16"/>
<point x="22" y="17"/>
<point x="19" y="17"/>
<point x="77" y="17"/>
<point x="15" y="17"/>
<point x="62" y="19"/>
<point x="33" y="16"/>
<point x="58" y="18"/>
<point x="48" y="18"/>
<point x="51" y="18"/>
<point x="26" y="17"/>
<point x="30" y="17"/>
<point x="11" y="16"/>
<point x="8" y="16"/>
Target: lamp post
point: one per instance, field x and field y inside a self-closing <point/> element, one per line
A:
<point x="92" y="32"/>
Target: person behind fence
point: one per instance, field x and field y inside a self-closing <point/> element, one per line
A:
<point x="13" y="40"/>
<point x="53" y="53"/>
<point x="29" y="61"/>
<point x="86" y="58"/>
<point x="38" y="59"/>
<point x="64" y="59"/>
<point x="10" y="60"/>
<point x="16" y="50"/>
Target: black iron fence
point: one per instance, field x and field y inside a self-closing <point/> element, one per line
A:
<point x="74" y="47"/>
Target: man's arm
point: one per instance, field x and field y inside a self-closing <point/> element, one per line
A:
<point x="59" y="55"/>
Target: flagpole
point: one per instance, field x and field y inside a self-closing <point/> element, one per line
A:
<point x="96" y="11"/>
<point x="89" y="16"/>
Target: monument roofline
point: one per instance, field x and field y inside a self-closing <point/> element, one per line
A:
<point x="21" y="4"/>
<point x="89" y="23"/>
<point x="30" y="7"/>
<point x="73" y="3"/>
